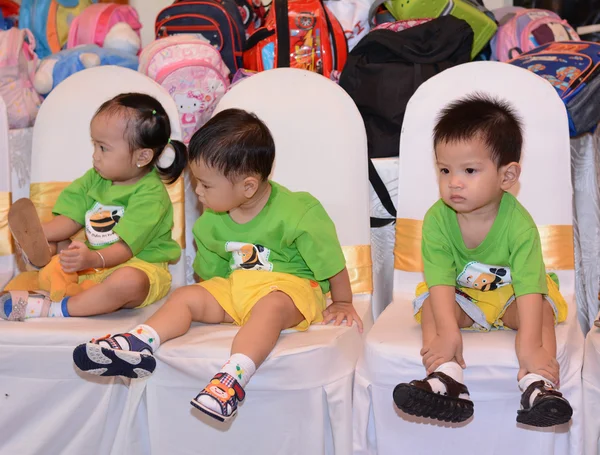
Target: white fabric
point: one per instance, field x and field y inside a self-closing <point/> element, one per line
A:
<point x="36" y="366"/>
<point x="391" y="353"/>
<point x="300" y="400"/>
<point x="7" y="262"/>
<point x="353" y="16"/>
<point x="591" y="391"/>
<point x="585" y="168"/>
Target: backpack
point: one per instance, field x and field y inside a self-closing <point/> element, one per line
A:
<point x="573" y="69"/>
<point x="194" y="74"/>
<point x="525" y="29"/>
<point x="478" y="16"/>
<point x="49" y="21"/>
<point x="219" y="21"/>
<point x="18" y="63"/>
<point x="310" y="36"/>
<point x="252" y="13"/>
<point x="94" y="23"/>
<point x="385" y="69"/>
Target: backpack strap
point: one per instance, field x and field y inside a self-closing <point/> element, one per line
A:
<point x="383" y="195"/>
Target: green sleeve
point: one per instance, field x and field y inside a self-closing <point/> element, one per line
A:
<point x="318" y="244"/>
<point x="438" y="261"/>
<point x="207" y="263"/>
<point x="527" y="264"/>
<point x="73" y="201"/>
<point x="143" y="220"/>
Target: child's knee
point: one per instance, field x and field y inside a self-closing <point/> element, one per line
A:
<point x="134" y="280"/>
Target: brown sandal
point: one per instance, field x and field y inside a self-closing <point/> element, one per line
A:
<point x="26" y="228"/>
<point x="418" y="399"/>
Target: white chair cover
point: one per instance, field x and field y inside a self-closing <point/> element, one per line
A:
<point x="7" y="258"/>
<point x="591" y="391"/>
<point x="299" y="401"/>
<point x="391" y="353"/>
<point x="47" y="408"/>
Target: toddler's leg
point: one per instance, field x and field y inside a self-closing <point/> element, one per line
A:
<point x="541" y="404"/>
<point x="251" y="346"/>
<point x="130" y="354"/>
<point x="441" y="395"/>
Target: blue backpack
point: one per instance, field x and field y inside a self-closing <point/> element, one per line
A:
<point x="573" y="69"/>
<point x="49" y="21"/>
<point x="218" y="21"/>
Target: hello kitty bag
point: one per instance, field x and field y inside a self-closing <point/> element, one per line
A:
<point x="192" y="71"/>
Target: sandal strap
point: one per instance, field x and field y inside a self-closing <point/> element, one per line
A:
<point x="453" y="388"/>
<point x="230" y="381"/>
<point x="545" y="390"/>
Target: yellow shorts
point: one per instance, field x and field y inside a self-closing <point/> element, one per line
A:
<point x="238" y="294"/>
<point x="158" y="274"/>
<point x="486" y="308"/>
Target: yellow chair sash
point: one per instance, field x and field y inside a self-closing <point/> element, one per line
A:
<point x="360" y="267"/>
<point x="557" y="246"/>
<point x="6" y="248"/>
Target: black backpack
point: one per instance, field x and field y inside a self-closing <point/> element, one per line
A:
<point x="385" y="69"/>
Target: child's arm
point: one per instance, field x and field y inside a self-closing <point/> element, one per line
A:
<point x="341" y="307"/>
<point x="60" y="228"/>
<point x="79" y="257"/>
<point x="532" y="356"/>
<point x="447" y="344"/>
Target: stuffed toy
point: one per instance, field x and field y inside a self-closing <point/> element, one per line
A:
<point x="51" y="279"/>
<point x="57" y="67"/>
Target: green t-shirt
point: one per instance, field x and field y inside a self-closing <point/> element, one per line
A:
<point x="291" y="234"/>
<point x="511" y="253"/>
<point x="141" y="214"/>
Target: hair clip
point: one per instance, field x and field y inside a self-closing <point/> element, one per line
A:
<point x="153" y="111"/>
<point x="169" y="141"/>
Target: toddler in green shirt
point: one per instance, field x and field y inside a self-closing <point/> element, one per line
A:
<point x="266" y="258"/>
<point x="484" y="269"/>
<point x="125" y="210"/>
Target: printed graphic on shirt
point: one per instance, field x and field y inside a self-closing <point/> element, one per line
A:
<point x="484" y="277"/>
<point x="247" y="256"/>
<point x="99" y="223"/>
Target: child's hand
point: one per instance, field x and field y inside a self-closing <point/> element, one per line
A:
<point x="442" y="349"/>
<point x="77" y="257"/>
<point x="539" y="361"/>
<point x="338" y="311"/>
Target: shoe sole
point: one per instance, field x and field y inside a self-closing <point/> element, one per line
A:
<point x="26" y="228"/>
<point x="100" y="361"/>
<point x="211" y="413"/>
<point x="421" y="403"/>
<point x="547" y="413"/>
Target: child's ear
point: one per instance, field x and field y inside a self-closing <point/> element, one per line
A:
<point x="251" y="184"/>
<point x="510" y="175"/>
<point x="144" y="157"/>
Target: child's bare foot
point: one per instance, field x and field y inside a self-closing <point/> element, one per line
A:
<point x="26" y="229"/>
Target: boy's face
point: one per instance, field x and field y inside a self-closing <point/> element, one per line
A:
<point x="468" y="178"/>
<point x="214" y="190"/>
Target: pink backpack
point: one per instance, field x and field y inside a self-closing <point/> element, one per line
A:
<point x="18" y="63"/>
<point x="94" y="23"/>
<point x="192" y="71"/>
<point x="525" y="29"/>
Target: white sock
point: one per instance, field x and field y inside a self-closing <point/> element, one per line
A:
<point x="148" y="335"/>
<point x="529" y="379"/>
<point x="34" y="307"/>
<point x="452" y="369"/>
<point x="241" y="367"/>
<point x="56" y="310"/>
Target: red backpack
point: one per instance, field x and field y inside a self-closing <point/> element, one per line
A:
<point x="298" y="34"/>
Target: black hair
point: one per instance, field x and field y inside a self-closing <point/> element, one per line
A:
<point x="236" y="143"/>
<point x="493" y="120"/>
<point x="148" y="126"/>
